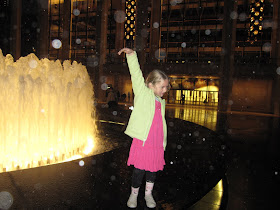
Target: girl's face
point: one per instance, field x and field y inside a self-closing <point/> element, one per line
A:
<point x="160" y="88"/>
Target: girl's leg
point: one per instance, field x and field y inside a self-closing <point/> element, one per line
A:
<point x="150" y="180"/>
<point x="151" y="176"/>
<point x="137" y="177"/>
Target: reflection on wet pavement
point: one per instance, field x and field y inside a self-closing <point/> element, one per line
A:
<point x="196" y="114"/>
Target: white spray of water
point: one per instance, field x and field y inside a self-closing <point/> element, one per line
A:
<point x="45" y="112"/>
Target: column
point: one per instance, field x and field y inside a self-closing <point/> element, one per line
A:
<point x="66" y="39"/>
<point x="101" y="46"/>
<point x="141" y="30"/>
<point x="275" y="55"/>
<point x="155" y="32"/>
<point x="119" y="42"/>
<point x="15" y="42"/>
<point x="44" y="30"/>
<point x="273" y="144"/>
<point x="227" y="63"/>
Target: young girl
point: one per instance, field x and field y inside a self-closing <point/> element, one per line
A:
<point x="147" y="127"/>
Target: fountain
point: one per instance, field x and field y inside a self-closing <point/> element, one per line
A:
<point x="45" y="112"/>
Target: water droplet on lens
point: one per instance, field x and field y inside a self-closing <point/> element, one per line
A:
<point x="6" y="200"/>
<point x="119" y="16"/>
<point x="278" y="70"/>
<point x="171" y="124"/>
<point x="160" y="54"/>
<point x="208" y="32"/>
<point x="156" y="25"/>
<point x="56" y="43"/>
<point x="233" y="15"/>
<point x="33" y="64"/>
<point x="230" y="102"/>
<point x="104" y="86"/>
<point x="78" y="41"/>
<point x="76" y="12"/>
<point x="183" y="44"/>
<point x="81" y="163"/>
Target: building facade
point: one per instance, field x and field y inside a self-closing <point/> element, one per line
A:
<point x="216" y="52"/>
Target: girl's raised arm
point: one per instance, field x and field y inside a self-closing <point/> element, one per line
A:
<point x="137" y="79"/>
<point x="128" y="51"/>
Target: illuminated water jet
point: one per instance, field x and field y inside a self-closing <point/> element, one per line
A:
<point x="45" y="112"/>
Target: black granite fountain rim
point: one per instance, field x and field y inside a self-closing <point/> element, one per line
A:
<point x="193" y="167"/>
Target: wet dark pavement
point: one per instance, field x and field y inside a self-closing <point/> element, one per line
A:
<point x="196" y="160"/>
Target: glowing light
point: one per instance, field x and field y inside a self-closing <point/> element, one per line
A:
<point x="256" y="22"/>
<point x="81" y="163"/>
<point x="56" y="43"/>
<point x="155" y="24"/>
<point x="33" y="64"/>
<point x="76" y="12"/>
<point x="130" y="20"/>
<point x="6" y="200"/>
<point x="41" y="111"/>
<point x="88" y="149"/>
<point x="78" y="41"/>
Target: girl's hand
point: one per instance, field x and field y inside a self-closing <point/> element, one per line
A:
<point x="127" y="51"/>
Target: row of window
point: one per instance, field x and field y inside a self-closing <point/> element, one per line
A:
<point x="191" y="30"/>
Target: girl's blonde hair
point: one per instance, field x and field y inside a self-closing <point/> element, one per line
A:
<point x="155" y="76"/>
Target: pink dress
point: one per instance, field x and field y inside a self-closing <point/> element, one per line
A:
<point x="149" y="157"/>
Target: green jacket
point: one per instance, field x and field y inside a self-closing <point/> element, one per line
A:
<point x="142" y="115"/>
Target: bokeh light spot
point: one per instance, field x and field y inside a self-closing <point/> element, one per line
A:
<point x="208" y="32"/>
<point x="76" y="12"/>
<point x="104" y="86"/>
<point x="242" y="16"/>
<point x="78" y="41"/>
<point x="81" y="163"/>
<point x="278" y="70"/>
<point x="155" y="24"/>
<point x="267" y="47"/>
<point x="119" y="16"/>
<point x="160" y="54"/>
<point x="144" y="33"/>
<point x="56" y="43"/>
<point x="233" y="15"/>
<point x="33" y="64"/>
<point x="6" y="200"/>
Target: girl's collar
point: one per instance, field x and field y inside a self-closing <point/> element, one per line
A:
<point x="157" y="98"/>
